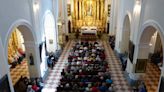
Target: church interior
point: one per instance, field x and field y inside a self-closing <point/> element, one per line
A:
<point x="81" y="46"/>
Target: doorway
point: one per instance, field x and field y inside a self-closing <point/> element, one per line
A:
<point x="125" y="35"/>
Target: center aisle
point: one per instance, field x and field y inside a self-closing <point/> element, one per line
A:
<point x="120" y="83"/>
<point x="54" y="76"/>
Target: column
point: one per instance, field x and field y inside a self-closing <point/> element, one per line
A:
<point x="33" y="48"/>
<point x="74" y="13"/>
<point x="82" y="12"/>
<point x="101" y="9"/>
<point x="80" y="9"/>
<point x="76" y="9"/>
<point x="4" y="67"/>
<point x="143" y="53"/>
<point x="98" y="4"/>
<point x="96" y="11"/>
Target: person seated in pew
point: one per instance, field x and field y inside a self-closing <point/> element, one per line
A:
<point x="94" y="88"/>
<point x="29" y="88"/>
<point x="103" y="87"/>
<point x="35" y="87"/>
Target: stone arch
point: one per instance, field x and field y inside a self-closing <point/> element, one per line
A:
<point x="30" y="42"/>
<point x="147" y="31"/>
<point x="126" y="33"/>
<point x="153" y="26"/>
<point x="50" y="34"/>
<point x="26" y="32"/>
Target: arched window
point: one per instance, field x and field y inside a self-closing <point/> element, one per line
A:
<point x="50" y="32"/>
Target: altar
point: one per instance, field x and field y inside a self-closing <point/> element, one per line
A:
<point x="88" y="33"/>
<point x="88" y="30"/>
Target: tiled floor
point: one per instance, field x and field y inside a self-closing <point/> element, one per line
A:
<point x="18" y="71"/>
<point x="120" y="83"/>
<point x="54" y="77"/>
<point x="152" y="77"/>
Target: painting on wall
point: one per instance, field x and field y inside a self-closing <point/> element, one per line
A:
<point x="131" y="50"/>
<point x="141" y="66"/>
<point x="50" y="41"/>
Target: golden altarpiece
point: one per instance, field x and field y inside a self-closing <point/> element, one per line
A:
<point x="89" y="13"/>
<point x="15" y="42"/>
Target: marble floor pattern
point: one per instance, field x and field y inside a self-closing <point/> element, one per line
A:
<point x="54" y="76"/>
<point x="18" y="71"/>
<point x="152" y="77"/>
<point x="120" y="84"/>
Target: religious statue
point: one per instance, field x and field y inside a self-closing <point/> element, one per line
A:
<point x="88" y="8"/>
<point x="31" y="58"/>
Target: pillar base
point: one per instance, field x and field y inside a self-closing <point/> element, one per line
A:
<point x="133" y="78"/>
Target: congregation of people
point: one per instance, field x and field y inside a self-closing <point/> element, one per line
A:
<point x="35" y="86"/>
<point x="29" y="85"/>
<point x="16" y="58"/>
<point x="87" y="69"/>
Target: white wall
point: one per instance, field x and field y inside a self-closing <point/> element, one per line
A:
<point x="154" y="11"/>
<point x="125" y="8"/>
<point x="152" y="14"/>
<point x="50" y="32"/>
<point x="149" y="11"/>
<point x="44" y="6"/>
<point x="113" y="16"/>
<point x="47" y="6"/>
<point x="13" y="11"/>
<point x="56" y="15"/>
<point x="3" y="64"/>
<point x="19" y="9"/>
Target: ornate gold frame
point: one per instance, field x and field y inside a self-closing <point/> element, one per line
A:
<point x="89" y="13"/>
